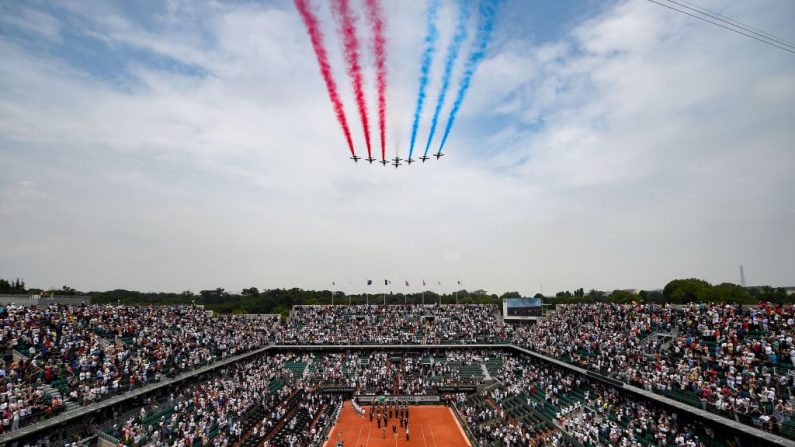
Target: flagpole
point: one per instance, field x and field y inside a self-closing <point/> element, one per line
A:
<point x="385" y="281"/>
<point x="332" y="293"/>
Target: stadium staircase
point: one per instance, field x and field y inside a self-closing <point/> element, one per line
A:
<point x="249" y="421"/>
<point x="296" y="368"/>
<point x="308" y="366"/>
<point x="486" y="373"/>
<point x="292" y="404"/>
<point x="51" y="393"/>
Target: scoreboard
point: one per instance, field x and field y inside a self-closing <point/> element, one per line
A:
<point x="522" y="308"/>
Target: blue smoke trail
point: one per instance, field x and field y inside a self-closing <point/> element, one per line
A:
<point x="487" y="11"/>
<point x="452" y="55"/>
<point x="432" y="34"/>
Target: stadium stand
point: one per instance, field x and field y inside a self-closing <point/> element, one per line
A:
<point x="65" y="356"/>
<point x="394" y="324"/>
<point x="731" y="360"/>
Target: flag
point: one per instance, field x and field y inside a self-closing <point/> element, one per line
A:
<point x="459" y="283"/>
<point x="387" y="282"/>
<point x="423" y="283"/>
<point x="332" y="283"/>
<point x="407" y="283"/>
<point x="369" y="282"/>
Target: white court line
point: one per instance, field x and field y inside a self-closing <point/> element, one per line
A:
<point x="370" y="427"/>
<point x="424" y="441"/>
<point x="360" y="434"/>
<point x="432" y="436"/>
<point x="460" y="428"/>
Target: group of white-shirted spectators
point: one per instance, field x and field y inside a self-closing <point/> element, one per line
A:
<point x="380" y="373"/>
<point x="393" y="324"/>
<point x="90" y="352"/>
<point x="734" y="360"/>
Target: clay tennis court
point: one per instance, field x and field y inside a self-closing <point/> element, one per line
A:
<point x="429" y="426"/>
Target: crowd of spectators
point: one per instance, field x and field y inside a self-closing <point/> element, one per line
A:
<point x="733" y="360"/>
<point x="211" y="411"/>
<point x="394" y="324"/>
<point x="89" y="352"/>
<point x="609" y="418"/>
<point x="590" y="413"/>
<point x="736" y="361"/>
<point x="379" y="373"/>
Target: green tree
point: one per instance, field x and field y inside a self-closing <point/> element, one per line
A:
<point x="252" y="291"/>
<point x="511" y="295"/>
<point x="689" y="290"/>
<point x="730" y="293"/>
<point x="621" y="296"/>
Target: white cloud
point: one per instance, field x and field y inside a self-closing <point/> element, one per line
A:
<point x="30" y="20"/>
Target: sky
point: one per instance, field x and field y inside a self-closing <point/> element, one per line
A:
<point x="179" y="145"/>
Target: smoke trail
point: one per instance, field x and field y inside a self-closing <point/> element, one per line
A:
<point x="432" y="34"/>
<point x="452" y="55"/>
<point x="347" y="26"/>
<point x="487" y="11"/>
<point x="375" y="16"/>
<point x="310" y="20"/>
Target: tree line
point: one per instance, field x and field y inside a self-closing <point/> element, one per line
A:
<point x="253" y="300"/>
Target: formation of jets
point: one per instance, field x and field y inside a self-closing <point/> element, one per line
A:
<point x="396" y="162"/>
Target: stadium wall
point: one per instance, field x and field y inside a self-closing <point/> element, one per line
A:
<point x="38" y="300"/>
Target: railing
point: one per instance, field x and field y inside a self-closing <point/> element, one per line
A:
<point x="104" y="437"/>
<point x="28" y="300"/>
<point x="137" y="411"/>
<point x="464" y="425"/>
<point x="18" y="355"/>
<point x="329" y="425"/>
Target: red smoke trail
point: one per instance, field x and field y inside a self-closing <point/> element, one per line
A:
<point x="347" y="26"/>
<point x="310" y="20"/>
<point x="375" y="17"/>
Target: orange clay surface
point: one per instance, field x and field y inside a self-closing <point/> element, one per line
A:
<point x="429" y="426"/>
